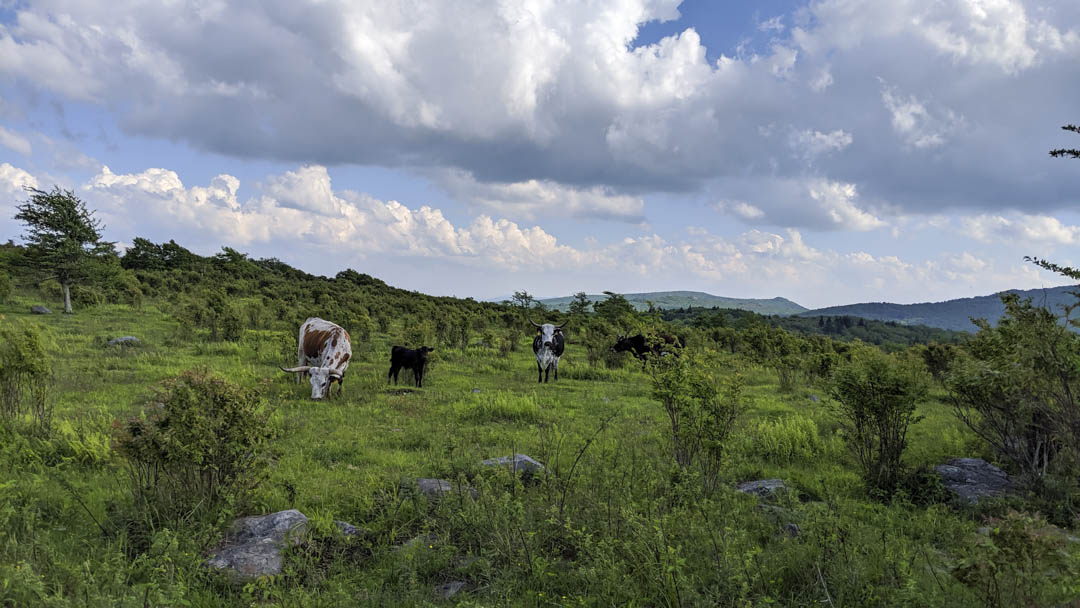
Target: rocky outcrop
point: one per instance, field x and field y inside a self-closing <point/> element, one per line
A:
<point x="122" y="340"/>
<point x="38" y="309"/>
<point x="762" y="488"/>
<point x="518" y="463"/>
<point x="971" y="479"/>
<point x="253" y="546"/>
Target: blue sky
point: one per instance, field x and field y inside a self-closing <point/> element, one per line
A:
<point x="830" y="152"/>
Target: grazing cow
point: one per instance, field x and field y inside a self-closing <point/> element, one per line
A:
<point x="641" y="347"/>
<point x="323" y="353"/>
<point x="408" y="358"/>
<point x="548" y="346"/>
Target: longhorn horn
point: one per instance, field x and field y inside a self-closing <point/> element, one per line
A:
<point x="293" y="370"/>
<point x="535" y="324"/>
<point x="563" y="324"/>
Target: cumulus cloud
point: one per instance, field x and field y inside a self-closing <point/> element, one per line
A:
<point x="13" y="180"/>
<point x="15" y="142"/>
<point x="809" y="144"/>
<point x="547" y="96"/>
<point x="532" y="198"/>
<point x="1033" y="229"/>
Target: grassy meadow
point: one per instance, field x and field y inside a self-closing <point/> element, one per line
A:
<point x="613" y="523"/>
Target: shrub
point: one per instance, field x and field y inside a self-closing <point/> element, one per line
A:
<point x="25" y="376"/>
<point x="702" y="412"/>
<point x="1018" y="390"/>
<point x="232" y="326"/>
<point x="198" y="446"/>
<point x="877" y="395"/>
<point x="5" y="287"/>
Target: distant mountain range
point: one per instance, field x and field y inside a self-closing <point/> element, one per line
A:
<point x="684" y="299"/>
<point x="950" y="314"/>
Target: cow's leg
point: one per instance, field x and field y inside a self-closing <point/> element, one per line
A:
<point x="393" y="373"/>
<point x="556" y="369"/>
<point x="539" y="372"/>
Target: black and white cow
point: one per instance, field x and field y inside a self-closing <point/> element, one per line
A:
<point x="414" y="359"/>
<point x="548" y="345"/>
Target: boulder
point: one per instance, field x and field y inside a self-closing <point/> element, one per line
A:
<point x="435" y="489"/>
<point x="348" y="529"/>
<point x="38" y="309"/>
<point x="449" y="590"/>
<point x="253" y="545"/>
<point x="762" y="488"/>
<point x="518" y="463"/>
<point x="970" y="479"/>
<point x="122" y="340"/>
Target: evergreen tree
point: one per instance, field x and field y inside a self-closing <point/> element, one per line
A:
<point x="63" y="238"/>
<point x="1067" y="152"/>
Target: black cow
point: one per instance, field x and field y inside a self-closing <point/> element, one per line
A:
<point x="414" y="359"/>
<point x="641" y="347"/>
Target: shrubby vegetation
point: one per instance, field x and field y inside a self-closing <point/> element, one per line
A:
<point x="637" y="506"/>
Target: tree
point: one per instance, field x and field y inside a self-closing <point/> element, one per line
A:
<point x="614" y="307"/>
<point x="63" y="238"/>
<point x="523" y="299"/>
<point x="1067" y="152"/>
<point x="579" y="306"/>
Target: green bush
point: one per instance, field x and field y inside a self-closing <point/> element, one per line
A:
<point x="701" y="409"/>
<point x="877" y="396"/>
<point x="25" y="376"/>
<point x="6" y="287"/>
<point x="198" y="446"/>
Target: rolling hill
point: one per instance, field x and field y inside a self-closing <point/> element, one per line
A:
<point x="950" y="314"/>
<point x="684" y="299"/>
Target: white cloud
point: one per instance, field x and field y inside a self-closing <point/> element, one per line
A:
<point x="15" y="142"/>
<point x="1035" y="229"/>
<point x="912" y="120"/>
<point x="773" y="24"/>
<point x="532" y="198"/>
<point x="810" y="144"/>
<point x="741" y="209"/>
<point x="13" y="179"/>
<point x="837" y="199"/>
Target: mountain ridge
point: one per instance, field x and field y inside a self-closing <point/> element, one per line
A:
<point x="685" y="298"/>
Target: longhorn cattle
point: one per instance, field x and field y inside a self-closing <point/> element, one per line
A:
<point x="548" y="345"/>
<point x="323" y="353"/>
<point x="414" y="359"/>
<point x="641" y="346"/>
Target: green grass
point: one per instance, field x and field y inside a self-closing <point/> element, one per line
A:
<point x="612" y="524"/>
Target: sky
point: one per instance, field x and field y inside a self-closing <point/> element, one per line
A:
<point x="826" y="151"/>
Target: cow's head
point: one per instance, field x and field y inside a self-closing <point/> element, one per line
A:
<point x="322" y="378"/>
<point x="622" y="344"/>
<point x="547" y="332"/>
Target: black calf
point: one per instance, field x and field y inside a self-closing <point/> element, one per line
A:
<point x="414" y="359"/>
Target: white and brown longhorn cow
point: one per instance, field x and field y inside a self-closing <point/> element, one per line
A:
<point x="323" y="353"/>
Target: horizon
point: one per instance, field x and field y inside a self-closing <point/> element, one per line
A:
<point x="784" y="148"/>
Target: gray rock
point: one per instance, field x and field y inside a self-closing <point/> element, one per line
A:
<point x="37" y="309"/>
<point x="970" y="479"/>
<point x="435" y="489"/>
<point x="790" y="530"/>
<point x="815" y="398"/>
<point x="419" y="541"/>
<point x="518" y="463"/>
<point x="122" y="340"/>
<point x="253" y="545"/>
<point x="762" y="488"/>
<point x="348" y="529"/>
<point x="449" y="590"/>
<point x="476" y="390"/>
